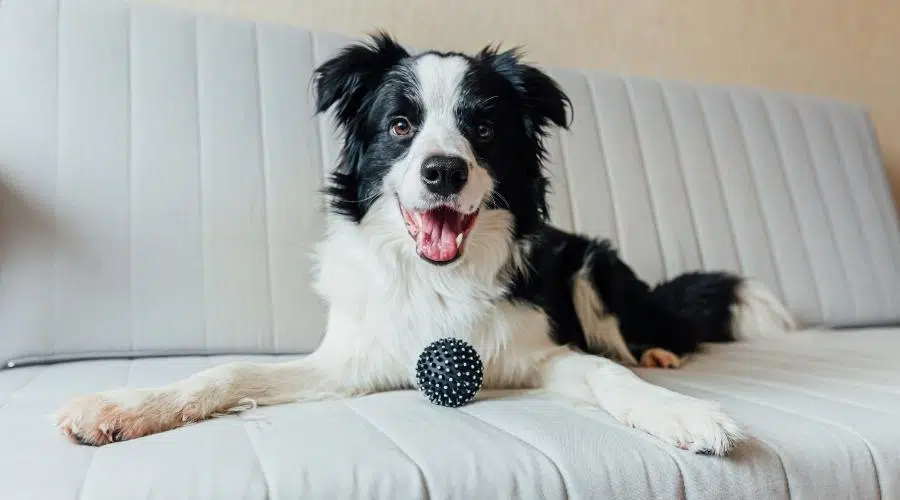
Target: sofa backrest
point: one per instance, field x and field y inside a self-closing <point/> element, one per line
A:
<point x="159" y="178"/>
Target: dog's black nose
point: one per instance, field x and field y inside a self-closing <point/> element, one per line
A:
<point x="445" y="175"/>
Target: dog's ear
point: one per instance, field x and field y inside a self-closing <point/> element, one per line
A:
<point x="545" y="102"/>
<point x="345" y="80"/>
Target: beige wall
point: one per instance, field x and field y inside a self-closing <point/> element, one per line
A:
<point x="848" y="49"/>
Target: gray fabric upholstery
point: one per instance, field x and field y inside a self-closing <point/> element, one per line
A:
<point x="159" y="175"/>
<point x="823" y="410"/>
<point x="158" y="180"/>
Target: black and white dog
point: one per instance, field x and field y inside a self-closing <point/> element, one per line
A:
<point x="438" y="228"/>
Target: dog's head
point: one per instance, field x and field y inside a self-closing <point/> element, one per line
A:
<point x="443" y="136"/>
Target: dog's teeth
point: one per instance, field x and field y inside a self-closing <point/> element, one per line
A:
<point x="418" y="217"/>
<point x="459" y="239"/>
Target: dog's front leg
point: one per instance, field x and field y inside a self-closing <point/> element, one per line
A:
<point x="123" y="414"/>
<point x="688" y="423"/>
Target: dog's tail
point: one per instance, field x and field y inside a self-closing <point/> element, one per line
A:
<point x="722" y="307"/>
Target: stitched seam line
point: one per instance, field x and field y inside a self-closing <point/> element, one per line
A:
<point x="877" y="174"/>
<point x="646" y="171"/>
<point x="203" y="271"/>
<point x="263" y="163"/>
<point x="728" y="217"/>
<point x="778" y="455"/>
<point x="825" y="207"/>
<point x="97" y="450"/>
<point x="770" y="129"/>
<point x="866" y="229"/>
<point x="424" y="482"/>
<point x="55" y="274"/>
<point x="617" y="426"/>
<point x="679" y="160"/>
<point x="765" y="220"/>
<point x="740" y="361"/>
<point x="259" y="462"/>
<point x="566" y="180"/>
<point x="844" y="353"/>
<point x="22" y="388"/>
<point x="837" y="425"/>
<point x="595" y="107"/>
<point x="817" y="358"/>
<point x="799" y="390"/>
<point x="131" y="184"/>
<point x="321" y="131"/>
<point x="562" y="477"/>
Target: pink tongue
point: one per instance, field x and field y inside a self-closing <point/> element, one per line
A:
<point x="437" y="238"/>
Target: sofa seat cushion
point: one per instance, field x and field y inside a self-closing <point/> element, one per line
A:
<point x="160" y="173"/>
<point x="822" y="410"/>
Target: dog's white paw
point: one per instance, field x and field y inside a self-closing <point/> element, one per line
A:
<point x="119" y="415"/>
<point x="685" y="422"/>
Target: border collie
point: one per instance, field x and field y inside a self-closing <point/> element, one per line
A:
<point x="438" y="227"/>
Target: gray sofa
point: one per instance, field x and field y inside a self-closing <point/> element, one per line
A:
<point x="158" y="198"/>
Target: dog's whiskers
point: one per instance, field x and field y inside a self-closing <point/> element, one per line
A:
<point x="369" y="198"/>
<point x="493" y="198"/>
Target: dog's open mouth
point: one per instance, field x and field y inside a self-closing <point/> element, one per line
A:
<point x="440" y="233"/>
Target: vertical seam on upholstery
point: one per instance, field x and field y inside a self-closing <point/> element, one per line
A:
<point x="87" y="471"/>
<point x="424" y="482"/>
<point x="716" y="171"/>
<point x="857" y="212"/>
<point x="847" y="429"/>
<point x="591" y="413"/>
<point x="320" y="130"/>
<point x="649" y="189"/>
<point x="131" y="184"/>
<point x="568" y="182"/>
<point x="562" y="477"/>
<point x="595" y="107"/>
<point x="679" y="160"/>
<point x="22" y="388"/>
<point x="884" y="202"/>
<point x="321" y="171"/>
<point x="787" y="478"/>
<point x="200" y="178"/>
<point x="55" y="278"/>
<point x="818" y="184"/>
<point x="756" y="192"/>
<point x="263" y="166"/>
<point x="97" y="450"/>
<point x="563" y="167"/>
<point x="129" y="372"/>
<point x="888" y="212"/>
<point x="258" y="456"/>
<point x="770" y="128"/>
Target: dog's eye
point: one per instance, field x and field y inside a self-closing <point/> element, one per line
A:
<point x="401" y="127"/>
<point x="484" y="132"/>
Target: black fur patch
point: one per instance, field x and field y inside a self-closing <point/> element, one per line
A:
<point x="675" y="316"/>
<point x="354" y="86"/>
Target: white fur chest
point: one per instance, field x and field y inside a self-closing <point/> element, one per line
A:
<point x="387" y="305"/>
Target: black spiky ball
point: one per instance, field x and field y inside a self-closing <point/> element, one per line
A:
<point x="449" y="372"/>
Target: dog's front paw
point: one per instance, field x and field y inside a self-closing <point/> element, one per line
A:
<point x="688" y="423"/>
<point x="120" y="415"/>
